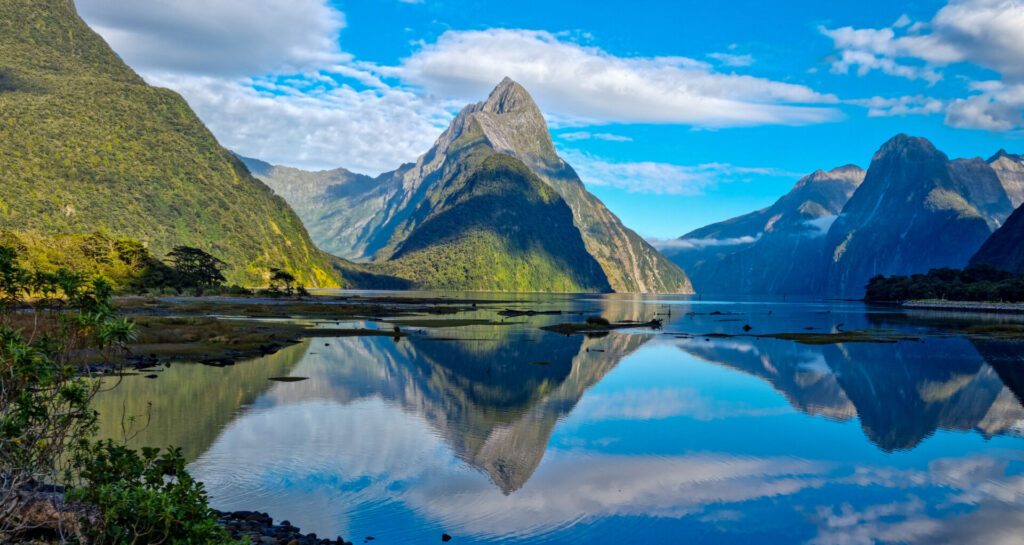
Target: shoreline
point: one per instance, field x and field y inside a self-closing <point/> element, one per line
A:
<point x="966" y="306"/>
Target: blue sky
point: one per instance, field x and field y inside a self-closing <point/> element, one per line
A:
<point x="676" y="114"/>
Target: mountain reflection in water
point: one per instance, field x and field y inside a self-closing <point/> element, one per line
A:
<point x="504" y="433"/>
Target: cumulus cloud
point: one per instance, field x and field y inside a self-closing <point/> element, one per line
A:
<point x="587" y="83"/>
<point x="986" y="33"/>
<point x="900" y="106"/>
<point x="368" y="131"/>
<point x="661" y="178"/>
<point x="223" y="38"/>
<point x="269" y="78"/>
<point x="996" y="106"/>
<point x="869" y="49"/>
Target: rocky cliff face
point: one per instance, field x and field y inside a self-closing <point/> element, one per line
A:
<point x="1005" y="248"/>
<point x="376" y="219"/>
<point x="915" y="211"/>
<point x="1010" y="170"/>
<point x="776" y="250"/>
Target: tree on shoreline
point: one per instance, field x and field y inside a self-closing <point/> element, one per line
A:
<point x="196" y="269"/>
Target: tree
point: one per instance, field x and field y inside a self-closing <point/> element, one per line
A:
<point x="281" y="280"/>
<point x="194" y="268"/>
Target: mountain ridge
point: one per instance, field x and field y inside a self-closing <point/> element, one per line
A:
<point x="771" y="249"/>
<point x="914" y="209"/>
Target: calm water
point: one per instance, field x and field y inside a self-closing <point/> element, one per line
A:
<point x="508" y="434"/>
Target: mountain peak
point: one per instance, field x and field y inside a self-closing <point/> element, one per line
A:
<point x="1003" y="153"/>
<point x="510" y="97"/>
<point x="906" y="145"/>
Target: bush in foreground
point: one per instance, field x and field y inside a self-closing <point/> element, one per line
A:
<point x="51" y="324"/>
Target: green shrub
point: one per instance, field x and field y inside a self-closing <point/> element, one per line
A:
<point x="47" y="425"/>
<point x="143" y="497"/>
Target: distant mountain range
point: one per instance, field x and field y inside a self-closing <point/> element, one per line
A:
<point x="490" y="206"/>
<point x="88" y="146"/>
<point x="913" y="210"/>
<point x="768" y="251"/>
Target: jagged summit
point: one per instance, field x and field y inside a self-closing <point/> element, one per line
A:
<point x="1010" y="169"/>
<point x="510" y="97"/>
<point x="844" y="173"/>
<point x="1003" y="154"/>
<point x="512" y="124"/>
<point x="906" y="145"/>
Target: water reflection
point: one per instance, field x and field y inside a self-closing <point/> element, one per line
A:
<point x="900" y="392"/>
<point x="504" y="433"/>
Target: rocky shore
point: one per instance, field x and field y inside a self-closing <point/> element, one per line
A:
<point x="260" y="529"/>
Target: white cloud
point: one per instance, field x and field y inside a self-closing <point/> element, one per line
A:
<point x="661" y="178"/>
<point x="900" y="106"/>
<point x="268" y="77"/>
<point x="366" y="131"/>
<point x="585" y="135"/>
<point x="228" y="38"/>
<point x="986" y="33"/>
<point x="821" y="225"/>
<point x="732" y="59"/>
<point x="995" y="107"/>
<point x="701" y="243"/>
<point x="589" y="84"/>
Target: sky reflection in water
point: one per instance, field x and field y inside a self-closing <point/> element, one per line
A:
<point x="506" y="433"/>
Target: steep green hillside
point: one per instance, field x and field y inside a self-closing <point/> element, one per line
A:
<point x="87" y="146"/>
<point x="336" y="206"/>
<point x="496" y="226"/>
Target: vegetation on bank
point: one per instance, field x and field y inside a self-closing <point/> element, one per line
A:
<point x="977" y="283"/>
<point x="108" y="493"/>
<point x="130" y="267"/>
